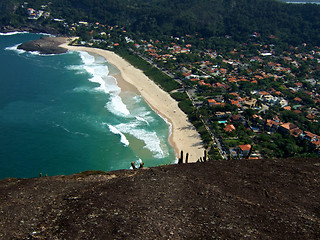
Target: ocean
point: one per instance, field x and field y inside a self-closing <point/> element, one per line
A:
<point x="64" y="114"/>
<point x="303" y="2"/>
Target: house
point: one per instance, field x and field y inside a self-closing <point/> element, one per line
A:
<point x="233" y="152"/>
<point x="311" y="116"/>
<point x="213" y="102"/>
<point x="30" y="11"/>
<point x="283" y="102"/>
<point x="235" y="102"/>
<point x="287" y="127"/>
<point x="297" y="132"/>
<point x="263" y="93"/>
<point x="203" y="83"/>
<point x="310" y="136"/>
<point x="316" y="143"/>
<point x="272" y="125"/>
<point x="223" y="114"/>
<point x="229" y="128"/>
<point x="297" y="99"/>
<point x="276" y="119"/>
<point x="250" y="103"/>
<point x="275" y="92"/>
<point x="194" y="79"/>
<point x="186" y="74"/>
<point x="270" y="99"/>
<point x="244" y="150"/>
<point x="257" y="117"/>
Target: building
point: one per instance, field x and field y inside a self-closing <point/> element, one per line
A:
<point x="287" y="127"/>
<point x="272" y="125"/>
<point x="310" y="136"/>
<point x="244" y="150"/>
<point x="229" y="128"/>
<point x="250" y="103"/>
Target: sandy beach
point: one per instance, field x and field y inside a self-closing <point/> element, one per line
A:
<point x="184" y="135"/>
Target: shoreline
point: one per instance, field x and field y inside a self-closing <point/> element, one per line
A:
<point x="183" y="135"/>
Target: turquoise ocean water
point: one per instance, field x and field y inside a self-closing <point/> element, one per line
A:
<point x="63" y="114"/>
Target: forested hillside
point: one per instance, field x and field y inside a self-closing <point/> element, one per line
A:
<point x="237" y="18"/>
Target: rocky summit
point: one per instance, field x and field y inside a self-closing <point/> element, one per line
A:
<point x="237" y="199"/>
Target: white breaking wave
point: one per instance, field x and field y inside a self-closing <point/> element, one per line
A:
<point x="36" y="53"/>
<point x="150" y="139"/>
<point x="123" y="138"/>
<point x="139" y="117"/>
<point x="86" y="58"/>
<point x="143" y="114"/>
<point x="117" y="107"/>
<point x="12" y="33"/>
<point x="15" y="49"/>
<point x="21" y="51"/>
<point x="78" y="68"/>
<point x="142" y="119"/>
<point x="107" y="84"/>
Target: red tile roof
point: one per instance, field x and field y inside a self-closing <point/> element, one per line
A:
<point x="296" y="132"/>
<point x="229" y="128"/>
<point x="310" y="134"/>
<point x="245" y="147"/>
<point x="264" y="93"/>
<point x="288" y="126"/>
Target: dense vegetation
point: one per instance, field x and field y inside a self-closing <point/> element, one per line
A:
<point x="153" y="73"/>
<point x="237" y="18"/>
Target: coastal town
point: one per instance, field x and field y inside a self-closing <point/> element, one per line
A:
<point x="255" y="99"/>
<point x="162" y="119"/>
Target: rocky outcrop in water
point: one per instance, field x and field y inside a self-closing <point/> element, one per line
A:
<point x="45" y="45"/>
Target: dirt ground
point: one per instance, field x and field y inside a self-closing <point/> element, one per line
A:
<point x="253" y="199"/>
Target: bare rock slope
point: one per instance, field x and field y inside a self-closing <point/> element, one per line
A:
<point x="260" y="199"/>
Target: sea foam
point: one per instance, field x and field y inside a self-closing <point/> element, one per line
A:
<point x="21" y="51"/>
<point x="138" y="119"/>
<point x="77" y="68"/>
<point x="123" y="138"/>
<point x="12" y="33"/>
<point x="15" y="49"/>
<point x="151" y="140"/>
<point x="108" y="84"/>
<point x="117" y="107"/>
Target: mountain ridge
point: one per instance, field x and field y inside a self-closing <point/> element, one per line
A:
<point x="210" y="18"/>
